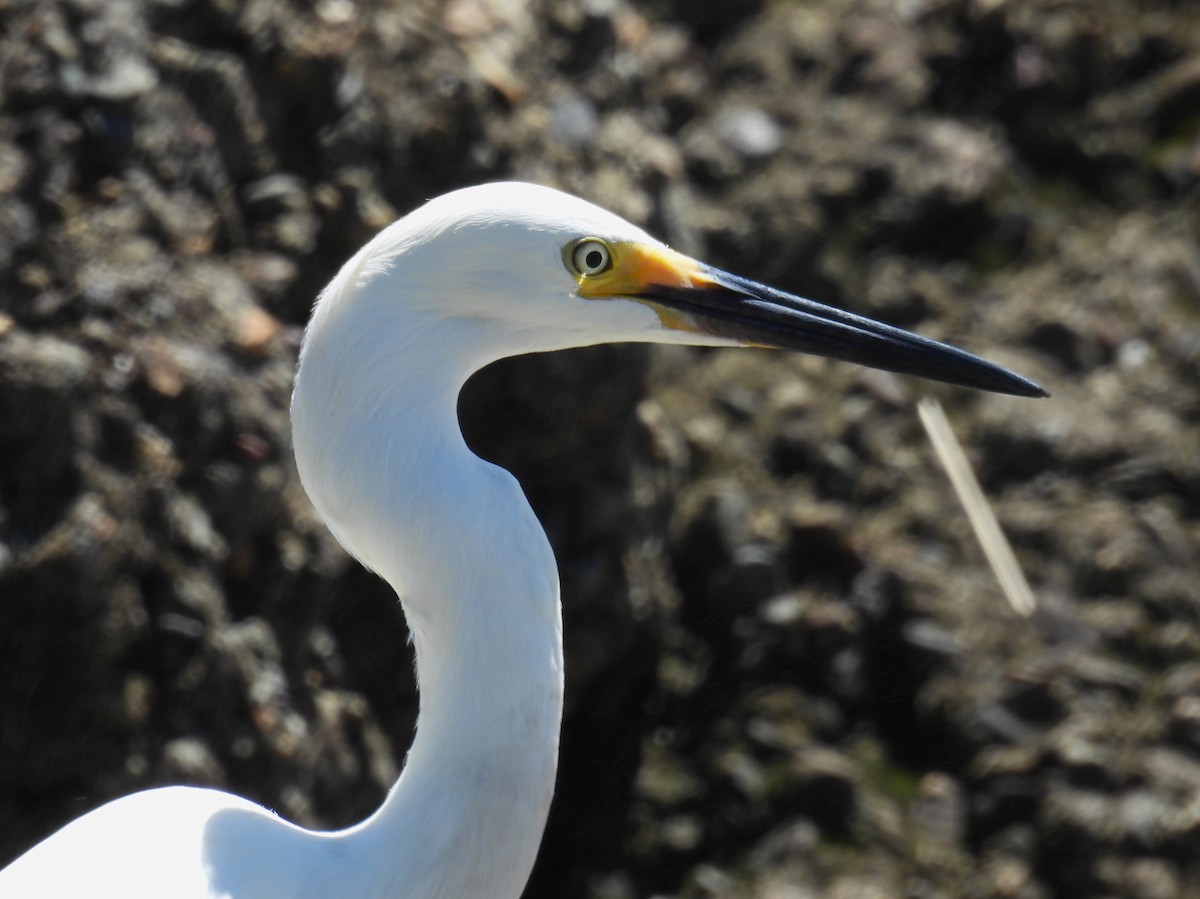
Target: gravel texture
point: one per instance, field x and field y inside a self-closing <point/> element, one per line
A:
<point x="791" y="673"/>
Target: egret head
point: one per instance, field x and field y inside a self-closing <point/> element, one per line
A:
<point x="514" y="268"/>
<point x="509" y="265"/>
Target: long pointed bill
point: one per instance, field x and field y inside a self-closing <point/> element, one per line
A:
<point x="694" y="297"/>
<point x="753" y="313"/>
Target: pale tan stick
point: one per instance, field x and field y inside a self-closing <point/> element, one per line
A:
<point x="987" y="530"/>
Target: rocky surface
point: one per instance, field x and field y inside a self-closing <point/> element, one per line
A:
<point x="791" y="673"/>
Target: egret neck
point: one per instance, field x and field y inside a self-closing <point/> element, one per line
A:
<point x="381" y="453"/>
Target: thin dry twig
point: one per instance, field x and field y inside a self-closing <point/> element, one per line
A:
<point x="983" y="520"/>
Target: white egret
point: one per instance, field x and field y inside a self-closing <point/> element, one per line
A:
<point x="470" y="277"/>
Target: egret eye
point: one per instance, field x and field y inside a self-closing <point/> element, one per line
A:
<point x="591" y="257"/>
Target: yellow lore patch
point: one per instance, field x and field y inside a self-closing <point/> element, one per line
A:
<point x="636" y="269"/>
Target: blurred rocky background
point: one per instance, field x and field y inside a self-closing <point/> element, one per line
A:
<point x="791" y="673"/>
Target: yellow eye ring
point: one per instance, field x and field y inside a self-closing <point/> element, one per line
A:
<point x="591" y="257"/>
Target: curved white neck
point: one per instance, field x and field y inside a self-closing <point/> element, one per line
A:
<point x="381" y="454"/>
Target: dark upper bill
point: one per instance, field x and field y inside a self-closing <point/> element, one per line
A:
<point x="754" y="313"/>
<point x="695" y="297"/>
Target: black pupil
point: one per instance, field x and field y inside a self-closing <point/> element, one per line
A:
<point x="594" y="259"/>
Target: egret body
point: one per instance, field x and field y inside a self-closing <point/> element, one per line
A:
<point x="469" y="278"/>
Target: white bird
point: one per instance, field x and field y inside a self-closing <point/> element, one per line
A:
<point x="473" y="276"/>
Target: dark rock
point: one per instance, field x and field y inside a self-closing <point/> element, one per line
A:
<point x="178" y="180"/>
